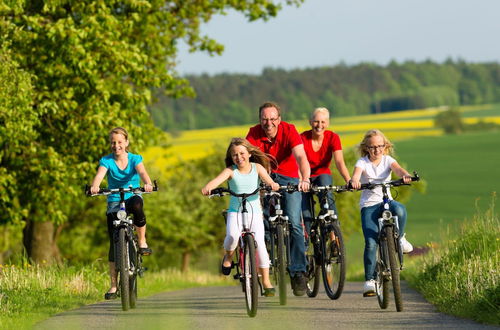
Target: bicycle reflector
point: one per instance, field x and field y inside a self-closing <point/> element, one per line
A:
<point x="386" y="215"/>
<point x="122" y="215"/>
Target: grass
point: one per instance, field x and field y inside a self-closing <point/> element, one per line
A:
<point x="462" y="277"/>
<point x="29" y="294"/>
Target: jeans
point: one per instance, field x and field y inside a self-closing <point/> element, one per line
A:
<point x="291" y="204"/>
<point x="320" y="180"/>
<point x="369" y="223"/>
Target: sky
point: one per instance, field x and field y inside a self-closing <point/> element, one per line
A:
<point x="329" y="32"/>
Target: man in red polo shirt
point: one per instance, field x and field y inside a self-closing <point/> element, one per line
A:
<point x="282" y="141"/>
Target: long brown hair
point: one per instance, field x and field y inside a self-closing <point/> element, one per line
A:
<point x="256" y="155"/>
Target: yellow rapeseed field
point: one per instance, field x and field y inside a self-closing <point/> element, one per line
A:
<point x="400" y="125"/>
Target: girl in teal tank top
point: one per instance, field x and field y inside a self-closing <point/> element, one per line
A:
<point x="246" y="166"/>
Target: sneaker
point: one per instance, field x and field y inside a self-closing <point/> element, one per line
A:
<point x="407" y="247"/>
<point x="369" y="288"/>
<point x="299" y="284"/>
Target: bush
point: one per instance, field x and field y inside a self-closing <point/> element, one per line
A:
<point x="450" y="121"/>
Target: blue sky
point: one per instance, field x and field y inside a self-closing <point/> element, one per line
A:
<point x="327" y="32"/>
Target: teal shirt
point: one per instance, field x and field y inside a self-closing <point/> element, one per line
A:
<point x="118" y="178"/>
<point x="245" y="183"/>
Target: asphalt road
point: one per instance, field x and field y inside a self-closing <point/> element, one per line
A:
<point x="224" y="308"/>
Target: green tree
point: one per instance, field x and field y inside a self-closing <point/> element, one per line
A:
<point x="450" y="121"/>
<point x="93" y="65"/>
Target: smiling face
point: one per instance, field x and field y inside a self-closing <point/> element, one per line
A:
<point x="319" y="123"/>
<point x="376" y="147"/>
<point x="240" y="156"/>
<point x="269" y="121"/>
<point x="119" y="144"/>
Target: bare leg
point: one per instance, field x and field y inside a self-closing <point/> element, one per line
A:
<point x="228" y="258"/>
<point x="141" y="235"/>
<point x="264" y="272"/>
<point x="112" y="277"/>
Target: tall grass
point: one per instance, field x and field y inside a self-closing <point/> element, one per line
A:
<point x="29" y="294"/>
<point x="462" y="277"/>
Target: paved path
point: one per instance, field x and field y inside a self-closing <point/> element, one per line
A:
<point x="224" y="308"/>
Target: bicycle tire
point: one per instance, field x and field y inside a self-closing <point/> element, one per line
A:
<point x="250" y="276"/>
<point x="313" y="267"/>
<point x="381" y="280"/>
<point x="333" y="265"/>
<point x="123" y="265"/>
<point x="396" y="285"/>
<point x="134" y="264"/>
<point x="281" y="263"/>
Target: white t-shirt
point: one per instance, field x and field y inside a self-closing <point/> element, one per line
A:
<point x="374" y="174"/>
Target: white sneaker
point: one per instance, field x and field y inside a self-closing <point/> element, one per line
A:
<point x="369" y="288"/>
<point x="407" y="247"/>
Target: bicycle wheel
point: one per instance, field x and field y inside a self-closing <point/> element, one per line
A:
<point x="122" y="264"/>
<point x="313" y="267"/>
<point x="381" y="280"/>
<point x="133" y="278"/>
<point x="250" y="276"/>
<point x="281" y="263"/>
<point x="391" y="251"/>
<point x="333" y="265"/>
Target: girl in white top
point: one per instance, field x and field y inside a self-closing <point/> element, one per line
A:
<point x="246" y="166"/>
<point x="375" y="166"/>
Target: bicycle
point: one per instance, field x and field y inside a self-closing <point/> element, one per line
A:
<point x="326" y="251"/>
<point x="389" y="260"/>
<point x="128" y="261"/>
<point x="279" y="238"/>
<point x="245" y="256"/>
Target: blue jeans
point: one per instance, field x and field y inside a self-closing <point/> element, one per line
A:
<point x="320" y="180"/>
<point x="291" y="204"/>
<point x="369" y="223"/>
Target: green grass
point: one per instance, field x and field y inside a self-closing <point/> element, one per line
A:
<point x="461" y="277"/>
<point x="29" y="294"/>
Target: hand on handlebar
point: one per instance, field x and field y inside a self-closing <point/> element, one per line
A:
<point x="354" y="184"/>
<point x="148" y="187"/>
<point x="304" y="186"/>
<point x="94" y="190"/>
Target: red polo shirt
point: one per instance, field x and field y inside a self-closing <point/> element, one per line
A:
<point x="320" y="160"/>
<point x="281" y="149"/>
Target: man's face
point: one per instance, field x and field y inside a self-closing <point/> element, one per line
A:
<point x="269" y="121"/>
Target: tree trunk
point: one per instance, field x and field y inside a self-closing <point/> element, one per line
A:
<point x="186" y="257"/>
<point x="39" y="241"/>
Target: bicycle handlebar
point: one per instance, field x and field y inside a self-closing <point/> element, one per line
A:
<point x="225" y="191"/>
<point x="393" y="183"/>
<point x="339" y="189"/>
<point x="106" y="191"/>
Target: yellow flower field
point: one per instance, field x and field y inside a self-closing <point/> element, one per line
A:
<point x="396" y="125"/>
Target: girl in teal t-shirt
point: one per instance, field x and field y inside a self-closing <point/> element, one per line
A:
<point x="123" y="169"/>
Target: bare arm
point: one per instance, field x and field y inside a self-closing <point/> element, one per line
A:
<point x="264" y="176"/>
<point x="356" y="175"/>
<point x="101" y="173"/>
<point x="338" y="156"/>
<point x="214" y="183"/>
<point x="304" y="168"/>
<point x="141" y="169"/>
<point x="401" y="172"/>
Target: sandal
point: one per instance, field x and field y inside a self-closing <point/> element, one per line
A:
<point x="225" y="270"/>
<point x="269" y="292"/>
<point x="111" y="295"/>
<point x="145" y="251"/>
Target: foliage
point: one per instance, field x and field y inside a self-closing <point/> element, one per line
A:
<point x="450" y="121"/>
<point x="345" y="90"/>
<point x="92" y="66"/>
<point x="461" y="277"/>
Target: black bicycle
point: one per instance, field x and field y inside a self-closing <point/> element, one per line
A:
<point x="389" y="252"/>
<point x="279" y="238"/>
<point x="325" y="250"/>
<point x="245" y="264"/>
<point x="128" y="260"/>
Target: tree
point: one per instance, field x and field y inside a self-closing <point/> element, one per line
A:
<point x="93" y="65"/>
<point x="450" y="121"/>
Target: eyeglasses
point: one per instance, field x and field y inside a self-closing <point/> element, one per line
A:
<point x="272" y="120"/>
<point x="382" y="146"/>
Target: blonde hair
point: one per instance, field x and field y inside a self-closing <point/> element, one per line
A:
<point x="320" y="110"/>
<point x="363" y="146"/>
<point x="119" y="130"/>
<point x="256" y="155"/>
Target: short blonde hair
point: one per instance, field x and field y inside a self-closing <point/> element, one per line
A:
<point x="363" y="146"/>
<point x="320" y="110"/>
